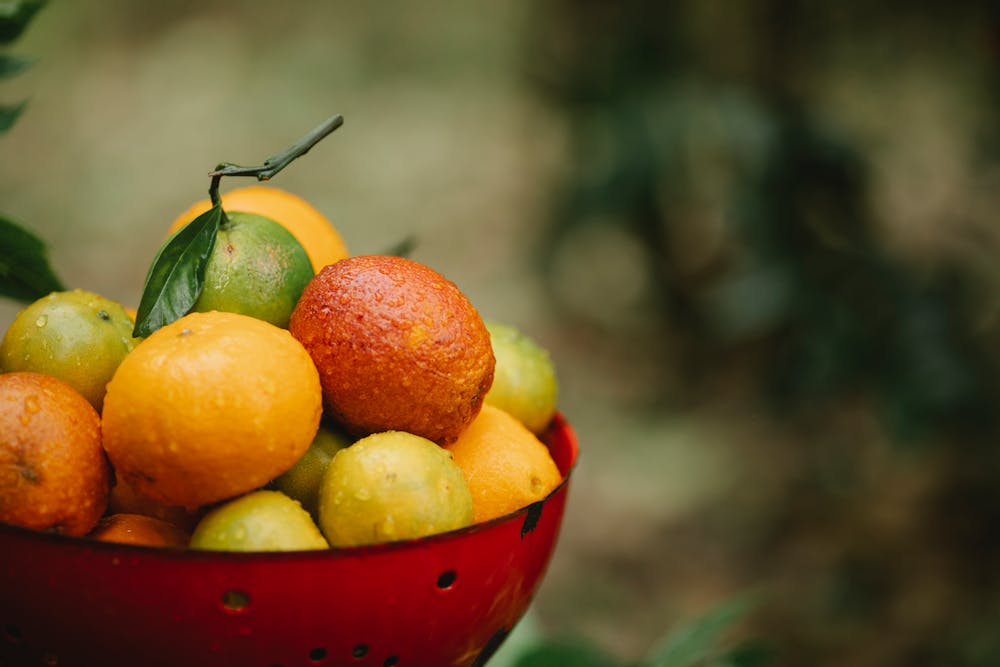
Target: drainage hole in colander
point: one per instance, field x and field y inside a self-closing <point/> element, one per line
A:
<point x="391" y="661"/>
<point x="317" y="654"/>
<point x="359" y="651"/>
<point x="235" y="601"/>
<point x="12" y="633"/>
<point x="446" y="580"/>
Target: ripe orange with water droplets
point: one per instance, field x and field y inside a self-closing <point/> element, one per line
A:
<point x="398" y="347"/>
<point x="53" y="472"/>
<point x="507" y="467"/>
<point x="209" y="407"/>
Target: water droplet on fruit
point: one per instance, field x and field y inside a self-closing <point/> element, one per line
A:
<point x="31" y="404"/>
<point x="42" y="321"/>
<point x="363" y="494"/>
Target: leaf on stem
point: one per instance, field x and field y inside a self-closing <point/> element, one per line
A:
<point x="15" y="15"/>
<point x="177" y="275"/>
<point x="25" y="273"/>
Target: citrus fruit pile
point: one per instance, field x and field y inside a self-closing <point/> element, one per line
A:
<point x="306" y="399"/>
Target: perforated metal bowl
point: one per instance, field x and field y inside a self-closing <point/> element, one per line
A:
<point x="445" y="600"/>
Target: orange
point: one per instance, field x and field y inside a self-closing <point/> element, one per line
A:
<point x="263" y="520"/>
<point x="506" y="466"/>
<point x="320" y="239"/>
<point x="76" y="336"/>
<point x="256" y="268"/>
<point x="398" y="347"/>
<point x="524" y="384"/>
<point x="391" y="486"/>
<point x="53" y="472"/>
<point x="139" y="529"/>
<point x="209" y="407"/>
<point x="124" y="500"/>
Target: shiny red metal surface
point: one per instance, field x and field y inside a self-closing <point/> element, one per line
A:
<point x="446" y="600"/>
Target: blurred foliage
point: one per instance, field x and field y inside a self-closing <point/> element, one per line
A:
<point x="702" y="642"/>
<point x="717" y="203"/>
<point x="25" y="273"/>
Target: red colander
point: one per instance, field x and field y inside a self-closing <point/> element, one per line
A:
<point x="441" y="601"/>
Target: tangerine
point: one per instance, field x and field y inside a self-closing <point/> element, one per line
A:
<point x="139" y="529"/>
<point x="506" y="466"/>
<point x="53" y="472"/>
<point x="311" y="228"/>
<point x="209" y="407"/>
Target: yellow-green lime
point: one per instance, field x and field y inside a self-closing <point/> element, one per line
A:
<point x="301" y="482"/>
<point x="392" y="486"/>
<point x="257" y="268"/>
<point x="76" y="336"/>
<point x="524" y="381"/>
<point x="258" y="521"/>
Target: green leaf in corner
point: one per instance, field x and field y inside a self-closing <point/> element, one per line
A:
<point x="11" y="66"/>
<point x="15" y="15"/>
<point x="177" y="275"/>
<point x="9" y="114"/>
<point x="25" y="273"/>
<point x="693" y="643"/>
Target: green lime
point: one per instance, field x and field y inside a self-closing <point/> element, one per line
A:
<point x="258" y="521"/>
<point x="257" y="268"/>
<point x="392" y="486"/>
<point x="76" y="336"/>
<point x="301" y="482"/>
<point x="524" y="380"/>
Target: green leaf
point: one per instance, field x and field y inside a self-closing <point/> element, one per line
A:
<point x="11" y="66"/>
<point x="694" y="642"/>
<point x="9" y="114"/>
<point x="177" y="275"/>
<point x="560" y="654"/>
<point x="25" y="274"/>
<point x="15" y="15"/>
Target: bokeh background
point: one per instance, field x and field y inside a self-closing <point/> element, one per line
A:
<point x="759" y="238"/>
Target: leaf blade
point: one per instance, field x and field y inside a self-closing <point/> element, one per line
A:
<point x="177" y="274"/>
<point x="15" y="17"/>
<point x="25" y="272"/>
<point x="9" y="115"/>
<point x="11" y="66"/>
<point x="690" y="644"/>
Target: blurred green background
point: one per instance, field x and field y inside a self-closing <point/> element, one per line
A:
<point x="759" y="239"/>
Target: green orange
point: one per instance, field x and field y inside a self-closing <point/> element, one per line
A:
<point x="77" y="336"/>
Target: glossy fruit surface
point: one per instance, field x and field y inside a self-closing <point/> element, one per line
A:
<point x="524" y="383"/>
<point x="53" y="473"/>
<point x="77" y="336"/>
<point x="392" y="486"/>
<point x="505" y="465"/>
<point x="317" y="235"/>
<point x="448" y="599"/>
<point x="258" y="521"/>
<point x="398" y="347"/>
<point x="209" y="407"/>
<point x="257" y="268"/>
<point x="141" y="530"/>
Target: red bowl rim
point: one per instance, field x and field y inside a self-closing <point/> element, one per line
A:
<point x="558" y="424"/>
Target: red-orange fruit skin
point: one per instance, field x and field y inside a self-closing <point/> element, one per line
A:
<point x="397" y="346"/>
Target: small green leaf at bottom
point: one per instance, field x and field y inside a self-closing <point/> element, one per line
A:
<point x="177" y="275"/>
<point x="691" y="644"/>
<point x="25" y="273"/>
